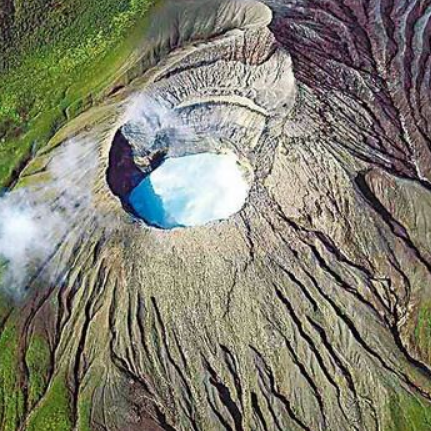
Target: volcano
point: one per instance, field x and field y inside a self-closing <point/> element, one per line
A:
<point x="248" y="246"/>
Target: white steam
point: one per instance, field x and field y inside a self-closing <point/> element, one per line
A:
<point x="149" y="117"/>
<point x="191" y="191"/>
<point x="35" y="220"/>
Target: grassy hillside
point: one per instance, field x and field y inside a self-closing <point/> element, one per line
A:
<point x="53" y="53"/>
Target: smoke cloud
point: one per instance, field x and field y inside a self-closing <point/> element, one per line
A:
<point x="150" y="118"/>
<point x="34" y="220"/>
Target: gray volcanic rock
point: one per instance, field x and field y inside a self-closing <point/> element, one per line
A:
<point x="301" y="311"/>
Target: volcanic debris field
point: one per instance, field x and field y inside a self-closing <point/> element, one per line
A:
<point x="216" y="215"/>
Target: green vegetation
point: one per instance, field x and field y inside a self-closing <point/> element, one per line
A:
<point x="54" y="412"/>
<point x="422" y="332"/>
<point x="38" y="363"/>
<point x="409" y="413"/>
<point x="11" y="397"/>
<point x="5" y="307"/>
<point x="55" y="55"/>
<point x="84" y="415"/>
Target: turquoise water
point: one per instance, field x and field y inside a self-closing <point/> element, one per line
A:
<point x="191" y="191"/>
